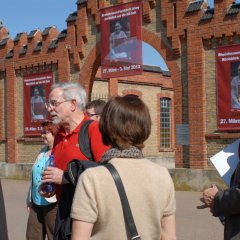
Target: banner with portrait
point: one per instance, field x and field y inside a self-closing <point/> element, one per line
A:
<point x="228" y="87"/>
<point x="121" y="40"/>
<point x="36" y="92"/>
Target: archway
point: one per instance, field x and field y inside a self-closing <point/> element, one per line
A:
<point x="93" y="61"/>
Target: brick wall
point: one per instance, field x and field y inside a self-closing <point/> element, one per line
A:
<point x="174" y="28"/>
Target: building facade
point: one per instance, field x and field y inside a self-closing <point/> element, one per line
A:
<point x="185" y="33"/>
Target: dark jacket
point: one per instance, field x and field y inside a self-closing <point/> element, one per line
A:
<point x="227" y="203"/>
<point x="63" y="225"/>
<point x="3" y="221"/>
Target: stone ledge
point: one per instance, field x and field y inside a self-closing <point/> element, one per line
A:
<point x="184" y="179"/>
<point x="20" y="171"/>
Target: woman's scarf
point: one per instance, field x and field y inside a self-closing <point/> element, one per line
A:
<point x="131" y="152"/>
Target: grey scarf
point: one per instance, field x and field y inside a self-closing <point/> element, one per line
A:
<point x="131" y="152"/>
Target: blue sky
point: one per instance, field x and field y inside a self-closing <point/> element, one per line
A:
<point x="27" y="15"/>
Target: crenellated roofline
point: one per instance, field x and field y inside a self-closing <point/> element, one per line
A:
<point x="178" y="17"/>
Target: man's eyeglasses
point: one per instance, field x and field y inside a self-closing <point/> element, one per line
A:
<point x="92" y="114"/>
<point x="54" y="103"/>
<point x="44" y="132"/>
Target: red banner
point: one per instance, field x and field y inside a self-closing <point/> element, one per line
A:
<point x="228" y="87"/>
<point x="36" y="92"/>
<point x="121" y="40"/>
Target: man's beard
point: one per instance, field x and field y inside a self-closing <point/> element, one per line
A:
<point x="56" y="120"/>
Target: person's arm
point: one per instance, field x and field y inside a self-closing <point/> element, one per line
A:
<point x="112" y="45"/>
<point x="168" y="221"/>
<point x="168" y="224"/>
<point x="208" y="197"/>
<point x="84" y="208"/>
<point x="50" y="175"/>
<point x="81" y="230"/>
<point x="29" y="198"/>
<point x="227" y="202"/>
<point x="32" y="108"/>
<point x="3" y="219"/>
<point x="234" y="90"/>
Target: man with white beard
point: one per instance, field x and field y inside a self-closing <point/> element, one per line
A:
<point x="66" y="106"/>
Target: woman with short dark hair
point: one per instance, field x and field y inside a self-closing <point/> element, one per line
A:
<point x="126" y="122"/>
<point x="97" y="211"/>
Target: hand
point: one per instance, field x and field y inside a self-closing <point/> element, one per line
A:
<point x="29" y="206"/>
<point x="203" y="205"/>
<point x="52" y="175"/>
<point x="208" y="197"/>
<point x="209" y="194"/>
<point x="43" y="192"/>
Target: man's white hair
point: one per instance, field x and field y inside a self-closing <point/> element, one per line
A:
<point x="73" y="91"/>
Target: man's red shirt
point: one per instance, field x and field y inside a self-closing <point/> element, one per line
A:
<point x="66" y="147"/>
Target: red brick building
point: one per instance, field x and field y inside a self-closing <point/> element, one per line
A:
<point x="185" y="33"/>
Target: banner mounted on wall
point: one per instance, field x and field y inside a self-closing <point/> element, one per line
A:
<point x="121" y="40"/>
<point x="36" y="92"/>
<point x="228" y="87"/>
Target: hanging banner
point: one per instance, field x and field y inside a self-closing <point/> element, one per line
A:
<point x="121" y="40"/>
<point x="228" y="87"/>
<point x="36" y="92"/>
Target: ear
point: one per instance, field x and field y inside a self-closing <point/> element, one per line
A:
<point x="73" y="105"/>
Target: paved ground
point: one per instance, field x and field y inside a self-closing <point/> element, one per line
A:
<point x="192" y="224"/>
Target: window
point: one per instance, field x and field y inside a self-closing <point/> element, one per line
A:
<point x="101" y="96"/>
<point x="165" y="123"/>
<point x="175" y="15"/>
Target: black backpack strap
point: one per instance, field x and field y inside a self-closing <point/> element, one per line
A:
<point x="83" y="140"/>
<point x="125" y="205"/>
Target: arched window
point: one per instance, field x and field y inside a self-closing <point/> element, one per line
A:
<point x="165" y="122"/>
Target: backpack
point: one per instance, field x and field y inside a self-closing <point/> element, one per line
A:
<point x="63" y="223"/>
<point x="83" y="140"/>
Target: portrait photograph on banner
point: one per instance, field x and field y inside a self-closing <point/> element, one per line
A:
<point x="228" y="87"/>
<point x="121" y="40"/>
<point x="36" y="92"/>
